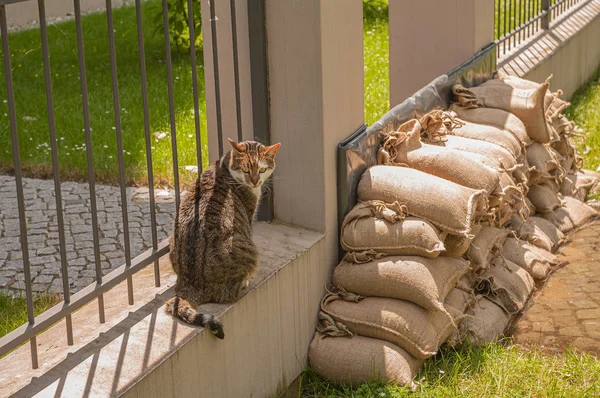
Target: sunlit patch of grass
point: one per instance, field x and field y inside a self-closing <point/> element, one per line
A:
<point x="13" y="310"/>
<point x="376" y="55"/>
<point x="585" y="111"/>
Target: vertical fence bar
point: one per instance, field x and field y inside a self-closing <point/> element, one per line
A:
<point x="215" y="54"/>
<point x="142" y="56"/>
<point x="504" y="32"/>
<point x="546" y="17"/>
<point x="165" y="13"/>
<point x="55" y="170"/>
<point x="18" y="181"/>
<point x="192" y="28"/>
<point x="497" y="25"/>
<point x="522" y="14"/>
<point x="236" y="71"/>
<point x="88" y="150"/>
<point x="514" y="19"/>
<point x="119" y="135"/>
<point x="260" y="92"/>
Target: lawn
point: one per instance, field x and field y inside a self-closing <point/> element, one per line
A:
<point x="26" y="59"/>
<point x="585" y="111"/>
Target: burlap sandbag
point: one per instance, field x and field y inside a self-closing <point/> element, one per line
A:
<point x="526" y="230"/>
<point x="542" y="158"/>
<point x="497" y="118"/>
<point x="459" y="300"/>
<point x="506" y="284"/>
<point x="447" y="205"/>
<point x="552" y="102"/>
<point x="486" y="149"/>
<point x="491" y="134"/>
<point x="550" y="230"/>
<point x="572" y="214"/>
<point x="422" y="281"/>
<point x="381" y="227"/>
<point x="536" y="261"/>
<point x="530" y="206"/>
<point x="404" y="147"/>
<point x="416" y="330"/>
<point x="525" y="104"/>
<point x="578" y="185"/>
<point x="457" y="245"/>
<point x="486" y="245"/>
<point x="543" y="198"/>
<point x="361" y="359"/>
<point x="485" y="324"/>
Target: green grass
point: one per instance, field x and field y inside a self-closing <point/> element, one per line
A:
<point x="13" y="310"/>
<point x="492" y="371"/>
<point x="376" y="54"/>
<point x="26" y="59"/>
<point x="585" y="111"/>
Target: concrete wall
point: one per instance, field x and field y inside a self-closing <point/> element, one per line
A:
<point x="431" y="37"/>
<point x="25" y="14"/>
<point x="570" y="51"/>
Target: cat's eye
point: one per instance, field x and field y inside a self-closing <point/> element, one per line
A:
<point x="246" y="171"/>
<point x="262" y="170"/>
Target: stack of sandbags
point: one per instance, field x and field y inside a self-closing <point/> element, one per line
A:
<point x="558" y="164"/>
<point x="452" y="230"/>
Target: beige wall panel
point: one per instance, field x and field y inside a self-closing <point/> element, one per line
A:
<point x="266" y="345"/>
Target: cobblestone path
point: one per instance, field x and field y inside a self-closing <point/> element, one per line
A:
<point x="43" y="235"/>
<point x="566" y="312"/>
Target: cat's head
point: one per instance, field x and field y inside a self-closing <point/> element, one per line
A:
<point x="251" y="163"/>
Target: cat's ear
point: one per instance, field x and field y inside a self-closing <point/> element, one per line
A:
<point x="271" y="151"/>
<point x="237" y="147"/>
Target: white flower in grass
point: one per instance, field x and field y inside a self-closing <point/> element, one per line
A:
<point x="105" y="146"/>
<point x="110" y="157"/>
<point x="160" y="134"/>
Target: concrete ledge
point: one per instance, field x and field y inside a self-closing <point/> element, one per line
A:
<point x="569" y="50"/>
<point x="142" y="351"/>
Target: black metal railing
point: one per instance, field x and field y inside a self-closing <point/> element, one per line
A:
<point x="103" y="283"/>
<point x="515" y="21"/>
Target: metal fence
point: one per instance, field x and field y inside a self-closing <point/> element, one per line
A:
<point x="517" y="20"/>
<point x="103" y="283"/>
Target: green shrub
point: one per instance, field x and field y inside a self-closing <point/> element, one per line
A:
<point x="179" y="28"/>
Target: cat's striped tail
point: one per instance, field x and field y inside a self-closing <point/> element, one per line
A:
<point x="183" y="310"/>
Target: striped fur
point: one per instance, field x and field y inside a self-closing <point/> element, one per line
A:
<point x="212" y="251"/>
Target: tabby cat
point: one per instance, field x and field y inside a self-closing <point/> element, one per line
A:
<point x="212" y="251"/>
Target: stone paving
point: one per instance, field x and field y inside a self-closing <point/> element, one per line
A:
<point x="566" y="312"/>
<point x="43" y="236"/>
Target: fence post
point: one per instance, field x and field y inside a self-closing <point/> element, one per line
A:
<point x="546" y="16"/>
<point x="316" y="92"/>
